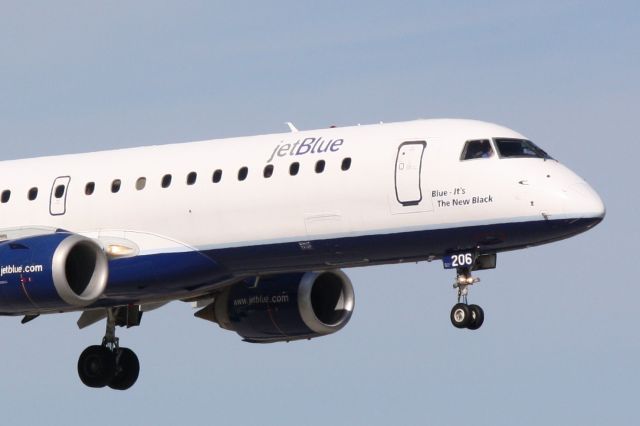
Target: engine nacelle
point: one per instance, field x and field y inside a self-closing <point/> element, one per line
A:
<point x="51" y="272"/>
<point x="286" y="307"/>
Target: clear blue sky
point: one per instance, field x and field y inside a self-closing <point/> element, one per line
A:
<point x="560" y="342"/>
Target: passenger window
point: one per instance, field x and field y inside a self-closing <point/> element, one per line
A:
<point x="89" y="188"/>
<point x="346" y="164"/>
<point x="242" y="173"/>
<point x="59" y="191"/>
<point x="33" y="194"/>
<point x="217" y="176"/>
<point x="320" y="166"/>
<point x="294" y="168"/>
<point x="166" y="181"/>
<point x="191" y="178"/>
<point x="6" y="194"/>
<point x="141" y="183"/>
<point x="268" y="171"/>
<point x="477" y="149"/>
<point x="115" y="185"/>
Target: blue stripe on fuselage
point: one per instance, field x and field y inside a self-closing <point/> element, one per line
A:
<point x="132" y="280"/>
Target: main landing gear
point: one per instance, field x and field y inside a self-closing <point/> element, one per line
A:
<point x="109" y="364"/>
<point x="464" y="315"/>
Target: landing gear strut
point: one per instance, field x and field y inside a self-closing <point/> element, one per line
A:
<point x="464" y="315"/>
<point x="109" y="364"/>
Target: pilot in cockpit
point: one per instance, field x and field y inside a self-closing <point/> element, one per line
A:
<point x="478" y="149"/>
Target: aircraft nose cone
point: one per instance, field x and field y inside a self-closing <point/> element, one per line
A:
<point x="586" y="202"/>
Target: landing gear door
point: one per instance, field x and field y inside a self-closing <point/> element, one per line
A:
<point x="58" y="197"/>
<point x="408" y="173"/>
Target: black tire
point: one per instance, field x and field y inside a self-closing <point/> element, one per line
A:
<point x="460" y="315"/>
<point x="477" y="317"/>
<point x="96" y="366"/>
<point x="127" y="369"/>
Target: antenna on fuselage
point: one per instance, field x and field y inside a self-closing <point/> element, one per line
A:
<point x="292" y="128"/>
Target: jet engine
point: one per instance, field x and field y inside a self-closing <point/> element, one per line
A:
<point x="285" y="307"/>
<point x="51" y="272"/>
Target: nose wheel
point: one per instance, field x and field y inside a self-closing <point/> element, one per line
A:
<point x="464" y="315"/>
<point x="109" y="364"/>
<point x="467" y="316"/>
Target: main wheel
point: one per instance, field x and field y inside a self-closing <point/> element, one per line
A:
<point x="127" y="369"/>
<point x="460" y="315"/>
<point x="96" y="366"/>
<point x="477" y="317"/>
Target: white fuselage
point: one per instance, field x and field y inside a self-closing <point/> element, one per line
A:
<point x="387" y="189"/>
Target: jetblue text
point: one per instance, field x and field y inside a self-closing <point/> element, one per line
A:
<point x="306" y="146"/>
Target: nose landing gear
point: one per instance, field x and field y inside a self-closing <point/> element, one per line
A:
<point x="464" y="315"/>
<point x="109" y="364"/>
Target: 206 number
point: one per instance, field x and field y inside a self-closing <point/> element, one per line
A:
<point x="462" y="259"/>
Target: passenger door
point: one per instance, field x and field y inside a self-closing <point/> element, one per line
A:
<point x="408" y="172"/>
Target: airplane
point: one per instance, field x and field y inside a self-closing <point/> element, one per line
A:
<point x="255" y="231"/>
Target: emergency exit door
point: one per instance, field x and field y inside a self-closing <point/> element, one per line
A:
<point x="58" y="197"/>
<point x="408" y="172"/>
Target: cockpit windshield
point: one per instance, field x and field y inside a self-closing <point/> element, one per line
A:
<point x="519" y="148"/>
<point x="477" y="149"/>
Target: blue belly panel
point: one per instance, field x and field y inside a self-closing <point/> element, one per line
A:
<point x="179" y="275"/>
<point x="164" y="274"/>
